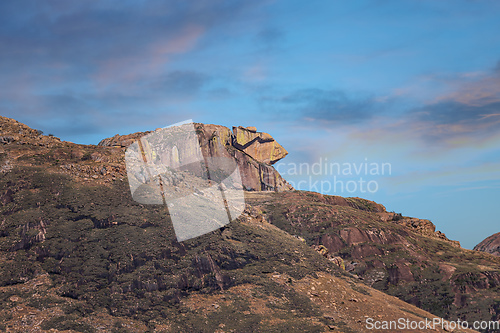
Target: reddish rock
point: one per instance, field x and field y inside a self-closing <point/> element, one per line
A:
<point x="490" y="245"/>
<point x="14" y="132"/>
<point x="332" y="242"/>
<point x="400" y="271"/>
<point x="260" y="146"/>
<point x="365" y="250"/>
<point x="122" y="140"/>
<point x="421" y="226"/>
<point x="255" y="175"/>
<point x="254" y="153"/>
<point x="77" y="154"/>
<point x="353" y="236"/>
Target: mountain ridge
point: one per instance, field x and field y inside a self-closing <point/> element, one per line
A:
<point x="88" y="256"/>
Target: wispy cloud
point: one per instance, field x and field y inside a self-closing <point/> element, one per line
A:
<point x="479" y="90"/>
<point x="460" y="176"/>
<point x="326" y="107"/>
<point x="448" y="120"/>
<point x="466" y="114"/>
<point x="129" y="69"/>
<point x="87" y="62"/>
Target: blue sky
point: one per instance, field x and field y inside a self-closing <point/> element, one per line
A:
<point x="412" y="83"/>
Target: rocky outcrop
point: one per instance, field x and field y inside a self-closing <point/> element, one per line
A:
<point x="260" y="146"/>
<point x="31" y="233"/>
<point x="253" y="151"/>
<point x="421" y="226"/>
<point x="256" y="173"/>
<point x="490" y="245"/>
<point x="322" y="250"/>
<point x="14" y="132"/>
<point x="122" y="140"/>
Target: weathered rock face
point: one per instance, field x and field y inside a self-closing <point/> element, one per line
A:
<point x="256" y="172"/>
<point x="261" y="146"/>
<point x="490" y="245"/>
<point x="106" y="161"/>
<point x="253" y="151"/>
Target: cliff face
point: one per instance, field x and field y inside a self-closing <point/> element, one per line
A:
<point x="255" y="152"/>
<point x="490" y="245"/>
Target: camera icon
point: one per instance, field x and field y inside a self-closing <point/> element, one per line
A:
<point x="202" y="188"/>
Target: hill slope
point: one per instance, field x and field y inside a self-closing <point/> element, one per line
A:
<point x="401" y="256"/>
<point x="78" y="254"/>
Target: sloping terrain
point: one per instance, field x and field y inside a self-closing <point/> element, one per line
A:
<point x="77" y="254"/>
<point x="401" y="256"/>
<point x="84" y="258"/>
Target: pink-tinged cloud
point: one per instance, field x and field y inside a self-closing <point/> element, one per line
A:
<point x="485" y="116"/>
<point x="478" y="90"/>
<point x="463" y="113"/>
<point x="179" y="44"/>
<point x="148" y="62"/>
<point x="433" y="136"/>
<point x="448" y="175"/>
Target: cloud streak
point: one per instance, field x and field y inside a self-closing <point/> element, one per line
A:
<point x="85" y="62"/>
<point x="327" y="107"/>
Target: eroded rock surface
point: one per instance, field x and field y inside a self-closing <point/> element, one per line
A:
<point x="403" y="256"/>
<point x="255" y="152"/>
<point x="261" y="146"/>
<point x="490" y="245"/>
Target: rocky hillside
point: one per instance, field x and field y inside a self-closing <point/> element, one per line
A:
<point x="490" y="245"/>
<point x="77" y="254"/>
<point x="402" y="256"/>
<point x="86" y="258"/>
<point x="255" y="152"/>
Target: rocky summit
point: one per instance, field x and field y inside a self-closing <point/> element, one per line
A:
<point x="78" y="254"/>
<point x="490" y="245"/>
<point x="253" y="151"/>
